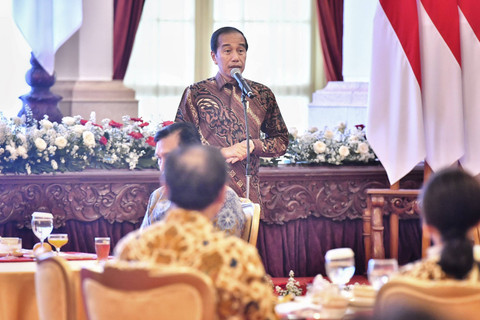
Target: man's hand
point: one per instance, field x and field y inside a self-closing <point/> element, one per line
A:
<point x="237" y="152"/>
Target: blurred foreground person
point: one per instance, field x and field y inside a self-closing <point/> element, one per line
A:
<point x="450" y="209"/>
<point x="195" y="182"/>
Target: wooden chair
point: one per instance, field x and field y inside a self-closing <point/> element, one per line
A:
<point x="135" y="293"/>
<point x="449" y="299"/>
<point x="252" y="221"/>
<point x="54" y="289"/>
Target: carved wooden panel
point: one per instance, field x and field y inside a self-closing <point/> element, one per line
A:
<point x="116" y="196"/>
<point x="288" y="193"/>
<point x="336" y="193"/>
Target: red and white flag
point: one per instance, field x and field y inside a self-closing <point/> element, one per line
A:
<point x="395" y="121"/>
<point x="441" y="82"/>
<point x="469" y="15"/>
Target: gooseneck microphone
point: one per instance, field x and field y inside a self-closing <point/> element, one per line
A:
<point x="237" y="75"/>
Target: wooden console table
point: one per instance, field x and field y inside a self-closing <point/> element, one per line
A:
<point x="381" y="202"/>
<point x="307" y="209"/>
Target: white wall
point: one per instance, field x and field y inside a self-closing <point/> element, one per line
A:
<point x="357" y="39"/>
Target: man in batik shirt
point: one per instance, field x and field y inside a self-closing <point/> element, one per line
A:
<point x="230" y="219"/>
<point x="195" y="178"/>
<point x="214" y="106"/>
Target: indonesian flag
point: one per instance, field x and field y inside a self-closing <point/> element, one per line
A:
<point x="469" y="15"/>
<point x="395" y="121"/>
<point x="441" y="81"/>
<point x="46" y="25"/>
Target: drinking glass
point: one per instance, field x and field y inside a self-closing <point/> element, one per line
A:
<point x="58" y="240"/>
<point x="42" y="225"/>
<point x="340" y="266"/>
<point x="102" y="248"/>
<point x="10" y="245"/>
<point x="380" y="270"/>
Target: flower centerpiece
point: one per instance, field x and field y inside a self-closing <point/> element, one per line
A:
<point x="330" y="146"/>
<point x="28" y="146"/>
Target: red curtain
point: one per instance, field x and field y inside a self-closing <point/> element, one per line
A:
<point x="330" y="16"/>
<point x="127" y="15"/>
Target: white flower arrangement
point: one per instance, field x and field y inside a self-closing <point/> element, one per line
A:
<point x="338" y="146"/>
<point x="28" y="146"/>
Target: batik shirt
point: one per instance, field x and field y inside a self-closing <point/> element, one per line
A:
<point x="429" y="269"/>
<point x="230" y="218"/>
<point x="187" y="238"/>
<point x="215" y="108"/>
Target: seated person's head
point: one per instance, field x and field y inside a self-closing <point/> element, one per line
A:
<point x="196" y="177"/>
<point x="173" y="136"/>
<point x="450" y="203"/>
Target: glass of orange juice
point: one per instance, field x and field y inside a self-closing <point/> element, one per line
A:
<point x="58" y="240"/>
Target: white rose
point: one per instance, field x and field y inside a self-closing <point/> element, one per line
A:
<point x="47" y="124"/>
<point x="313" y="129"/>
<point x="61" y="142"/>
<point x="362" y="148"/>
<point x="22" y="152"/>
<point x="54" y="164"/>
<point x="40" y="144"/>
<point x="22" y="137"/>
<point x="88" y="139"/>
<point x="78" y="129"/>
<point x="353" y="138"/>
<point x="329" y="134"/>
<point x="319" y="147"/>
<point x="68" y="121"/>
<point x="343" y="151"/>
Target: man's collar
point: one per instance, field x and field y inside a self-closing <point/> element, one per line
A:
<point x="221" y="82"/>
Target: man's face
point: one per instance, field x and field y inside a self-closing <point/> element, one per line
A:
<point x="164" y="147"/>
<point x="231" y="53"/>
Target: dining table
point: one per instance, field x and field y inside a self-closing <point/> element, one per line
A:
<point x="17" y="284"/>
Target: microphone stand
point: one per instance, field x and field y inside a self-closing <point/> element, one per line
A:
<point x="247" y="134"/>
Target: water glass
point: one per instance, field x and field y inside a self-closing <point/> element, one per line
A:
<point x="380" y="270"/>
<point x="10" y="245"/>
<point x="102" y="248"/>
<point x="340" y="265"/>
<point x="42" y="225"/>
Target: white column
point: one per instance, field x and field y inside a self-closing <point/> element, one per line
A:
<point x="84" y="69"/>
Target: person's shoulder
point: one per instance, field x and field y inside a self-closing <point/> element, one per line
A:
<point x="202" y="83"/>
<point x="425" y="269"/>
<point x="259" y="86"/>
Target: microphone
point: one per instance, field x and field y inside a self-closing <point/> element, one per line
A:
<point x="235" y="73"/>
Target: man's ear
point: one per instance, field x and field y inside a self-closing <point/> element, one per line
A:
<point x="214" y="57"/>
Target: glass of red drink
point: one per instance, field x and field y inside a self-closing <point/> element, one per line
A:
<point x="102" y="248"/>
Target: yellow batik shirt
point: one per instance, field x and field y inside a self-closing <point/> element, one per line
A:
<point x="187" y="238"/>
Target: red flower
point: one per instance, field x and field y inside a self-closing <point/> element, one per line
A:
<point x="115" y="124"/>
<point x="166" y="123"/>
<point x="97" y="125"/>
<point x="83" y="121"/>
<point x="137" y="119"/>
<point x="359" y="126"/>
<point x="143" y="124"/>
<point x="151" y="141"/>
<point x="103" y="140"/>
<point x="136" y="135"/>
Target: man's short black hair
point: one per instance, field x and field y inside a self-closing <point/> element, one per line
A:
<point x="187" y="133"/>
<point x="217" y="33"/>
<point x="195" y="175"/>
